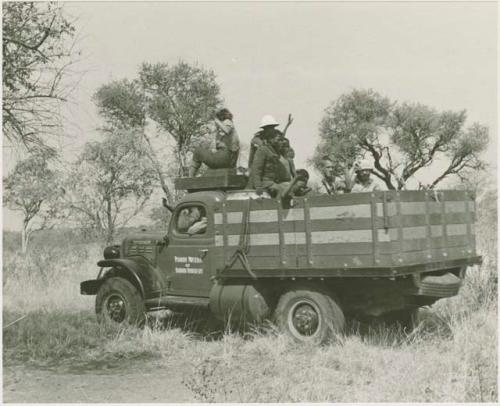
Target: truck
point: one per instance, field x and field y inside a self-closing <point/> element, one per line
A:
<point x="306" y="265"/>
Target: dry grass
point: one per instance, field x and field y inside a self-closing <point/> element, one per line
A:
<point x="450" y="357"/>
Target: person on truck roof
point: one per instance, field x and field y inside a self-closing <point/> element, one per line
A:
<point x="267" y="172"/>
<point x="363" y="181"/>
<point x="227" y="146"/>
<point x="267" y="124"/>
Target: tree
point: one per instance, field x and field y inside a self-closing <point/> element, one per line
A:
<point x="32" y="188"/>
<point x="180" y="100"/>
<point x="110" y="183"/>
<point x="37" y="55"/>
<point x="401" y="139"/>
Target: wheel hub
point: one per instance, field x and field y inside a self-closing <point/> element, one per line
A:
<point x="305" y="319"/>
<point x="115" y="308"/>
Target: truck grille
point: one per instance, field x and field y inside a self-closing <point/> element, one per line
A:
<point x="141" y="248"/>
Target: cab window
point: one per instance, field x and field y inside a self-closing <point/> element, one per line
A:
<point x="191" y="220"/>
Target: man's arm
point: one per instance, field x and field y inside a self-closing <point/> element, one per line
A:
<point x="288" y="124"/>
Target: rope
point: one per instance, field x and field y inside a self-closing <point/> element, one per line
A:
<point x="243" y="246"/>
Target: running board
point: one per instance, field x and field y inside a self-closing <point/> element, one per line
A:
<point x="172" y="302"/>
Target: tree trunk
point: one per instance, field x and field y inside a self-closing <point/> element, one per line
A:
<point x="111" y="226"/>
<point x="25" y="235"/>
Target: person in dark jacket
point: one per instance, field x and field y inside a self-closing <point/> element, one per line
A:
<point x="267" y="171"/>
<point x="267" y="125"/>
<point x="227" y="146"/>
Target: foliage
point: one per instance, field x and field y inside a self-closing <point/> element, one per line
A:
<point x="110" y="182"/>
<point x="182" y="99"/>
<point x="179" y="99"/>
<point x="400" y="139"/>
<point x="37" y="56"/>
<point x="32" y="188"/>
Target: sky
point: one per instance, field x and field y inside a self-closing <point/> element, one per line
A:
<point x="295" y="57"/>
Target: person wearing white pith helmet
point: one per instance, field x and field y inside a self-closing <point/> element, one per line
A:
<point x="267" y="124"/>
<point x="363" y="181"/>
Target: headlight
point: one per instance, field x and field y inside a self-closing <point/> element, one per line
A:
<point x="111" y="252"/>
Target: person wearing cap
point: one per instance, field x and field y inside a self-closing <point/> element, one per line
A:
<point x="267" y="172"/>
<point x="227" y="146"/>
<point x="267" y="124"/>
<point x="363" y="182"/>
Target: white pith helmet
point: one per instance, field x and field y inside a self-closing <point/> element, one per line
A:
<point x="364" y="164"/>
<point x="268" y="120"/>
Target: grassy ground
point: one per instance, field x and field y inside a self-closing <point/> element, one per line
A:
<point x="450" y="357"/>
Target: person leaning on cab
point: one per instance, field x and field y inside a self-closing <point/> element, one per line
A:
<point x="267" y="172"/>
<point x="227" y="146"/>
<point x="363" y="181"/>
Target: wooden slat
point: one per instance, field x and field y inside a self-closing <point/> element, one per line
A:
<point x="334" y="249"/>
<point x="309" y="235"/>
<point x="338" y="261"/>
<point x="283" y="243"/>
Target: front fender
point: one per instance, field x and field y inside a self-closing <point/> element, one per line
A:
<point x="138" y="271"/>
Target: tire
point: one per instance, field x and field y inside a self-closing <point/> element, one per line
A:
<point x="309" y="315"/>
<point x="120" y="302"/>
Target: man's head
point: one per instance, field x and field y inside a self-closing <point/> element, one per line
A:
<point x="273" y="137"/>
<point x="224" y="114"/>
<point x="300" y="188"/>
<point x="284" y="146"/>
<point x="195" y="213"/>
<point x="327" y="167"/>
<point x="363" y="171"/>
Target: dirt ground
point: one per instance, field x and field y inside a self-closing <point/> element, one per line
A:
<point x="138" y="382"/>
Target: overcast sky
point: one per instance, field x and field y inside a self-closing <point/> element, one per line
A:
<point x="280" y="58"/>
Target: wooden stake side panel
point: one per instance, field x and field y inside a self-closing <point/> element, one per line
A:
<point x="351" y="231"/>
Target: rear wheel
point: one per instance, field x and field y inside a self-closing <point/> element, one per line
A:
<point x="119" y="301"/>
<point x="309" y="315"/>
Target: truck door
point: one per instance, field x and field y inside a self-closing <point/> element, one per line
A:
<point x="188" y="257"/>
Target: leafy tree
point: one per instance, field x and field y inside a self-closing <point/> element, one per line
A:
<point x="179" y="99"/>
<point x="32" y="188"/>
<point x="110" y="182"/>
<point x="401" y="139"/>
<point x="37" y="55"/>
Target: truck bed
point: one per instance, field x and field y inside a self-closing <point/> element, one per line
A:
<point x="364" y="234"/>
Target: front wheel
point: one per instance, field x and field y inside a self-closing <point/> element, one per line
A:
<point x="119" y="301"/>
<point x="309" y="315"/>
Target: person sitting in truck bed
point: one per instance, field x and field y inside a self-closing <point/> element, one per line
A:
<point x="227" y="146"/>
<point x="363" y="181"/>
<point x="267" y="124"/>
<point x="267" y="172"/>
<point x="329" y="181"/>
<point x="286" y="157"/>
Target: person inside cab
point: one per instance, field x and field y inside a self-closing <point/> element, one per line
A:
<point x="192" y="221"/>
